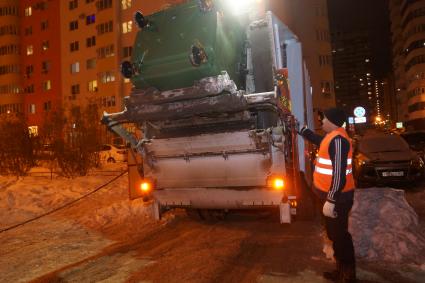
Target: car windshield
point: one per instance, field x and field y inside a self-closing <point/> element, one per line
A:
<point x="382" y="143"/>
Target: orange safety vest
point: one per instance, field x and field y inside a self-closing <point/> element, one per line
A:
<point x="322" y="176"/>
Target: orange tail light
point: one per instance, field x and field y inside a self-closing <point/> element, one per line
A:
<point x="276" y="182"/>
<point x="146" y="186"/>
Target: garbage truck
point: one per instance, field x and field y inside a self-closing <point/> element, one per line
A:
<point x="213" y="102"/>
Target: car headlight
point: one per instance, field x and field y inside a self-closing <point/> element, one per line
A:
<point x="362" y="159"/>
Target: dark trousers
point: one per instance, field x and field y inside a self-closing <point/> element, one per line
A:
<point x="337" y="230"/>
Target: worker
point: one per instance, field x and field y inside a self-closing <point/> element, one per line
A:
<point x="334" y="185"/>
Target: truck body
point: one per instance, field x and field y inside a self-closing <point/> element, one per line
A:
<point x="214" y="99"/>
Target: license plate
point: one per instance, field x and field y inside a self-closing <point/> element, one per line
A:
<point x="393" y="174"/>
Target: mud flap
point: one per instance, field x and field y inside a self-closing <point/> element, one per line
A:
<point x="285" y="213"/>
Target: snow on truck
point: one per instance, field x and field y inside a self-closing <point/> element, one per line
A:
<point x="214" y="96"/>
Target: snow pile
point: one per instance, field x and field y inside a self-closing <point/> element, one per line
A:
<point x="119" y="209"/>
<point x="385" y="227"/>
<point x="29" y="197"/>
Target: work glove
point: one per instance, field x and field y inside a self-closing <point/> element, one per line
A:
<point x="297" y="126"/>
<point x="329" y="210"/>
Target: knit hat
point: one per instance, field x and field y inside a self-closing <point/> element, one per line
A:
<point x="336" y="116"/>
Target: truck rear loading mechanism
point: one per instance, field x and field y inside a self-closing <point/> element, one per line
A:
<point x="213" y="100"/>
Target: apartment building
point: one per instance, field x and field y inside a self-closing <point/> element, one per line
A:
<point x="354" y="78"/>
<point x="96" y="37"/>
<point x="40" y="59"/>
<point x="11" y="98"/>
<point x="408" y="38"/>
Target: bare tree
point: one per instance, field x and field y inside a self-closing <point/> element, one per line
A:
<point x="74" y="140"/>
<point x="16" y="146"/>
<point x="79" y="151"/>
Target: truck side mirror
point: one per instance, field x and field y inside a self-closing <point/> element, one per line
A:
<point x="140" y="20"/>
<point x="127" y="69"/>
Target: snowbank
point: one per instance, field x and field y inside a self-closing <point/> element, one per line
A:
<point x="385" y="227"/>
<point x="29" y="197"/>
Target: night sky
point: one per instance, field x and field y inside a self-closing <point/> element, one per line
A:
<point x="370" y="15"/>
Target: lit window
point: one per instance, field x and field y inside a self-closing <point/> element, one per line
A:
<point x="32" y="109"/>
<point x="30" y="50"/>
<point x="28" y="11"/>
<point x="47" y="85"/>
<point x="33" y="130"/>
<point x="75" y="67"/>
<point x="107" y="77"/>
<point x="45" y="45"/>
<point x="125" y="4"/>
<point x="90" y="19"/>
<point x="92" y="86"/>
<point x="127" y="26"/>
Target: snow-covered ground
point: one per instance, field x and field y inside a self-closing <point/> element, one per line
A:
<point x="107" y="216"/>
<point x="25" y="198"/>
<point x="77" y="231"/>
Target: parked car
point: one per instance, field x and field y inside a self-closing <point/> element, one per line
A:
<point x="111" y="153"/>
<point x="385" y="159"/>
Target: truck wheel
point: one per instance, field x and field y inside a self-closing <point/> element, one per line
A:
<point x="110" y="160"/>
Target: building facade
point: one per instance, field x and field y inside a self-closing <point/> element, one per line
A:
<point x="40" y="59"/>
<point x="66" y="54"/>
<point x="408" y="38"/>
<point x="11" y="97"/>
<point x="354" y="78"/>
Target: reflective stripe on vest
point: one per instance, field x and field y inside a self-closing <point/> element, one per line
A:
<point x="329" y="162"/>
<point x="329" y="171"/>
<point x="322" y="175"/>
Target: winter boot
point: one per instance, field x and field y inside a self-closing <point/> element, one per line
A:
<point x="348" y="274"/>
<point x="334" y="275"/>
